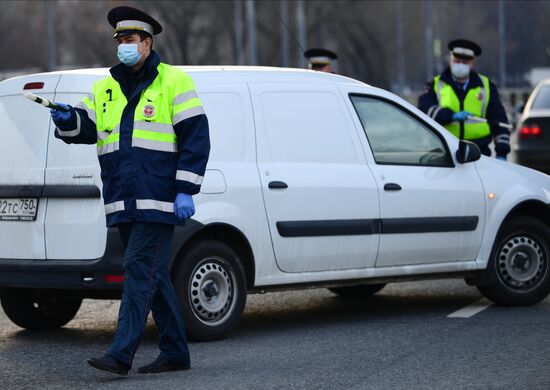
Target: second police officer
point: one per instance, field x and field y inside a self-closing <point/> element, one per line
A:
<point x="459" y="97"/>
<point x="320" y="60"/>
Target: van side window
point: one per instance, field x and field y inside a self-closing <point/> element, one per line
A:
<point x="307" y="127"/>
<point x="396" y="137"/>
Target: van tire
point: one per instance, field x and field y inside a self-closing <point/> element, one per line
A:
<point x="210" y="284"/>
<point x="518" y="272"/>
<point x="361" y="290"/>
<point x="38" y="310"/>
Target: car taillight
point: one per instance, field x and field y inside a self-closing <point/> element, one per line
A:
<point x="35" y="85"/>
<point x="530" y="131"/>
<point x="114" y="278"/>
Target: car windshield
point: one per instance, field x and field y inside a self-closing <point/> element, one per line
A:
<point x="542" y="100"/>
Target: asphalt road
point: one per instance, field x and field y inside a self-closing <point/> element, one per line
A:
<point x="402" y="338"/>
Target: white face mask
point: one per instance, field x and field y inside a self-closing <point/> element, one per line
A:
<point x="460" y="71"/>
<point x="128" y="53"/>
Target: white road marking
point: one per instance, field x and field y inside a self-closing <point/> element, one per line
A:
<point x="472" y="309"/>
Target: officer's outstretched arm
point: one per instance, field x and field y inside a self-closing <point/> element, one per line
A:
<point x="80" y="127"/>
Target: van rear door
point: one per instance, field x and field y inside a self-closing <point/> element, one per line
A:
<point x="24" y="130"/>
<point x="75" y="218"/>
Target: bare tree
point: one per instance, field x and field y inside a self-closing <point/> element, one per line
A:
<point x="23" y="43"/>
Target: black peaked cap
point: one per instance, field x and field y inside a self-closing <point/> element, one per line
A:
<point x="320" y="53"/>
<point x="467" y="44"/>
<point x="119" y="14"/>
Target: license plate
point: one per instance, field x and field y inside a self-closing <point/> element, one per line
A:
<point x="18" y="209"/>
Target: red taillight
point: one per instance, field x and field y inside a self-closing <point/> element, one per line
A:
<point x="530" y="131"/>
<point x="37" y="85"/>
<point x="114" y="278"/>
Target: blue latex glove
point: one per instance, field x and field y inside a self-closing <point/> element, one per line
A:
<point x="60" y="117"/>
<point x="184" y="207"/>
<point x="503" y="158"/>
<point x="461" y="116"/>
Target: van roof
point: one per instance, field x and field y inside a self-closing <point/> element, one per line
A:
<point x="232" y="73"/>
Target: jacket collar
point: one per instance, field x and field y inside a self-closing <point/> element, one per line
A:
<point x="474" y="82"/>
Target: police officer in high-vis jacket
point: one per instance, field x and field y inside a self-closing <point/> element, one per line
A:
<point x="152" y="141"/>
<point x="466" y="102"/>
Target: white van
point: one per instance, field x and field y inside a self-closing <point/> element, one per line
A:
<point x="314" y="179"/>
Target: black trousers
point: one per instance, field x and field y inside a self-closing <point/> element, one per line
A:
<point x="147" y="287"/>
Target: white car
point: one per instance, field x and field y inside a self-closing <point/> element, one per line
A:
<point x="314" y="180"/>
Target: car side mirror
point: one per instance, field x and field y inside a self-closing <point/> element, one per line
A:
<point x="467" y="152"/>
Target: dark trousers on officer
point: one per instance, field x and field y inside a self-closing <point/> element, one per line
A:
<point x="147" y="287"/>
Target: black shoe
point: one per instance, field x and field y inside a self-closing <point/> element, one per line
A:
<point x="162" y="365"/>
<point x="107" y="363"/>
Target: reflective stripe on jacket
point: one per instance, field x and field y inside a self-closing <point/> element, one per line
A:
<point x="475" y="103"/>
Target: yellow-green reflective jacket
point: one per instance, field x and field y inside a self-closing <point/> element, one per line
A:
<point x="151" y="146"/>
<point x="475" y="103"/>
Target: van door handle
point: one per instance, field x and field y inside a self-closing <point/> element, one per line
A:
<point x="277" y="185"/>
<point x="392" y="187"/>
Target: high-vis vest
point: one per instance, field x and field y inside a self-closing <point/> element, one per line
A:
<point x="140" y="177"/>
<point x="475" y="103"/>
<point x="165" y="102"/>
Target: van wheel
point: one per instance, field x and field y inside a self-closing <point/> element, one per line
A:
<point x="518" y="270"/>
<point x="361" y="290"/>
<point x="211" y="287"/>
<point x="38" y="310"/>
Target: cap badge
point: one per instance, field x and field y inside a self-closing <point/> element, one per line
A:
<point x="149" y="110"/>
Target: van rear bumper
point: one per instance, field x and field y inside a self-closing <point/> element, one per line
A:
<point x="75" y="274"/>
<point x="87" y="276"/>
<point x="100" y="274"/>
